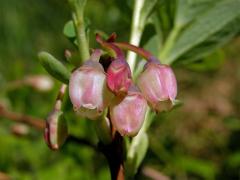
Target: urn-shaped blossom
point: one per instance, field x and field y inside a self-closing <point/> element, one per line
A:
<point x="119" y="76"/>
<point x="87" y="89"/>
<point x="158" y="85"/>
<point x="127" y="114"/>
<point x="39" y="82"/>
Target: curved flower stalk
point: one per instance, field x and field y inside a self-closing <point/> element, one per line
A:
<point x="119" y="76"/>
<point x="87" y="88"/>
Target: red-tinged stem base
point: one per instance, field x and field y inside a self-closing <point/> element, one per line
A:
<point x="114" y="154"/>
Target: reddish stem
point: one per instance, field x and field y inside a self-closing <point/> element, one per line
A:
<point x="110" y="47"/>
<point x="140" y="51"/>
<point x="35" y="122"/>
<point x="112" y="37"/>
<point x="114" y="154"/>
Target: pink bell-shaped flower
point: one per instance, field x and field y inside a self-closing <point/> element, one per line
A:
<point x="87" y="88"/>
<point x="119" y="76"/>
<point x="158" y="85"/>
<point x="127" y="114"/>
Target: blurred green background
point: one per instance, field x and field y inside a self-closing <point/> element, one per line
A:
<point x="199" y="140"/>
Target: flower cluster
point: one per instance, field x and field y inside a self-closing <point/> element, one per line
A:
<point x="95" y="87"/>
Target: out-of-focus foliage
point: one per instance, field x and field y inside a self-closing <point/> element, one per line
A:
<point x="198" y="140"/>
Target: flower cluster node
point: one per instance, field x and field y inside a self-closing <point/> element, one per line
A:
<point x="94" y="87"/>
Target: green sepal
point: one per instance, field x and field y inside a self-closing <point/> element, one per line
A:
<point x="62" y="130"/>
<point x="103" y="129"/>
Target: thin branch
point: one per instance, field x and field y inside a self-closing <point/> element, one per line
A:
<point x="78" y="19"/>
<point x="39" y="124"/>
<point x="136" y="32"/>
<point x="82" y="141"/>
<point x="154" y="174"/>
<point x="4" y="176"/>
<point x="26" y="119"/>
<point x="114" y="154"/>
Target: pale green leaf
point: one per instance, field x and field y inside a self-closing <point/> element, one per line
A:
<point x="202" y="28"/>
<point x="68" y="30"/>
<point x="187" y="10"/>
<point x="211" y="44"/>
<point x="203" y="168"/>
<point x="146" y="10"/>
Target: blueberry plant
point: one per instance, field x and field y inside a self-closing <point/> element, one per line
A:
<point x="121" y="94"/>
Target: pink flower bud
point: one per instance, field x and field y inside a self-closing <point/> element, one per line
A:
<point x="56" y="130"/>
<point x="39" y="82"/>
<point x="87" y="89"/>
<point x="127" y="115"/>
<point x="20" y="129"/>
<point x="119" y="76"/>
<point x="158" y="84"/>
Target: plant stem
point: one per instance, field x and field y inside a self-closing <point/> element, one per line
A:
<point x="136" y="32"/>
<point x="136" y="144"/>
<point x="137" y="50"/>
<point x="77" y="16"/>
<point x="39" y="124"/>
<point x="22" y="118"/>
<point x="114" y="154"/>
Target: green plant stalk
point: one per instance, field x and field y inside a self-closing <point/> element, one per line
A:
<point x="103" y="129"/>
<point x="77" y="16"/>
<point x="168" y="45"/>
<point x="132" y="151"/>
<point x="133" y="148"/>
<point x="134" y="159"/>
<point x="136" y="32"/>
<point x="146" y="124"/>
<point x="135" y="38"/>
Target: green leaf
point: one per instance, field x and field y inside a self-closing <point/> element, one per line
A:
<point x="70" y="33"/>
<point x="54" y="67"/>
<point x="211" y="44"/>
<point x="205" y="25"/>
<point x="68" y="30"/>
<point x="234" y="160"/>
<point x="202" y="168"/>
<point x="147" y="10"/>
<point x="211" y="62"/>
<point x="187" y="10"/>
<point x="164" y="18"/>
<point x="232" y="123"/>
